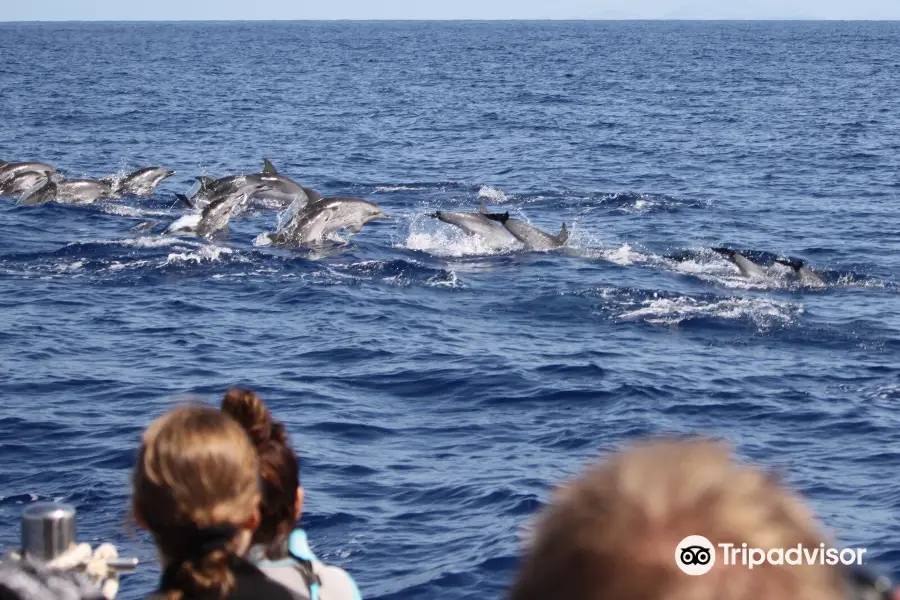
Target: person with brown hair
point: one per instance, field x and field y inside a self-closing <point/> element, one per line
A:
<point x="280" y="550"/>
<point x="614" y="532"/>
<point x="196" y="490"/>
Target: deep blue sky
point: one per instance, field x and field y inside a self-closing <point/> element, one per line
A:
<point x="17" y="10"/>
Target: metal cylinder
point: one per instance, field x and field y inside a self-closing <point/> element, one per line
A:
<point x="48" y="530"/>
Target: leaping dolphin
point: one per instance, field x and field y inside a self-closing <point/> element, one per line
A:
<point x="806" y="275"/>
<point x="43" y="193"/>
<point x="215" y="216"/>
<point x="747" y="267"/>
<point x="10" y="170"/>
<point x="318" y="219"/>
<point x="479" y="225"/>
<point x="23" y="182"/>
<point x="532" y="237"/>
<point x="281" y="191"/>
<point x="67" y="191"/>
<point x="82" y="191"/>
<point x="142" y="182"/>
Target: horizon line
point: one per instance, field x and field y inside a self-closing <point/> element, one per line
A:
<point x="475" y="20"/>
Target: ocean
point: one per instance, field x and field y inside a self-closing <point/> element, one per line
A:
<point x="437" y="390"/>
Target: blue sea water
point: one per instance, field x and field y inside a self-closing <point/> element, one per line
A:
<point x="436" y="390"/>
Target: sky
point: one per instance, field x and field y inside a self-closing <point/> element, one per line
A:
<point x="156" y="10"/>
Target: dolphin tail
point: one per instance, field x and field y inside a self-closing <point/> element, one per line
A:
<point x="268" y="169"/>
<point x="498" y="217"/>
<point x="189" y="202"/>
<point x="563" y="236"/>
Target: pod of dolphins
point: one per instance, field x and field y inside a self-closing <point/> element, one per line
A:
<point x="311" y="216"/>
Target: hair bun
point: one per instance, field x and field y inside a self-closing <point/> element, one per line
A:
<point x="251" y="412"/>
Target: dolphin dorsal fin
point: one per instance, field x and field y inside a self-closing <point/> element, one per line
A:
<point x="268" y="169"/>
<point x="205" y="182"/>
<point x="794" y="263"/>
<point x="563" y="234"/>
<point x="312" y="195"/>
<point x="498" y="217"/>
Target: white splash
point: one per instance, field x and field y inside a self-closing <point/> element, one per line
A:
<point x="153" y="242"/>
<point x="203" y="254"/>
<point x="623" y="255"/>
<point x="263" y="239"/>
<point x="140" y="242"/>
<point x="492" y="194"/>
<point x="671" y="311"/>
<point x="399" y="188"/>
<point x="75" y="266"/>
<point x="453" y="243"/>
<point x="448" y="282"/>
<point x="123" y="210"/>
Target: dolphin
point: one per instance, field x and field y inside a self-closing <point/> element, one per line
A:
<point x="806" y="275"/>
<point x="236" y="184"/>
<point x="214" y="216"/>
<point x="210" y="186"/>
<point x="212" y="219"/>
<point x="82" y="191"/>
<point x="747" y="267"/>
<point x="217" y="213"/>
<point x="10" y="170"/>
<point x="39" y="195"/>
<point x="532" y="237"/>
<point x="142" y="182"/>
<point x="22" y="183"/>
<point x="325" y="216"/>
<point x="478" y="224"/>
<point x="282" y="191"/>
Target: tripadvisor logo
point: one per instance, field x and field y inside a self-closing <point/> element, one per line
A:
<point x="696" y="555"/>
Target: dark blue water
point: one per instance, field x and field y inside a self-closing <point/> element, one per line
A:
<point x="436" y="390"/>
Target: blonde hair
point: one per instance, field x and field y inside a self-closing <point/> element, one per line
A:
<point x="612" y="533"/>
<point x="196" y="473"/>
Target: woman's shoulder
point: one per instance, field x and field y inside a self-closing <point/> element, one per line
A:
<point x="331" y="583"/>
<point x="336" y="583"/>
